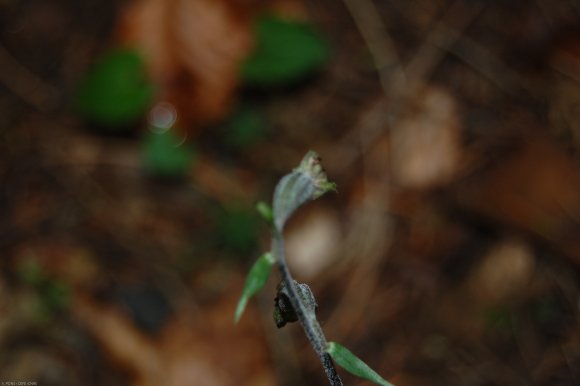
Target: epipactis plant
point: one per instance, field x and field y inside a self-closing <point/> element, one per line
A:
<point x="294" y="301"/>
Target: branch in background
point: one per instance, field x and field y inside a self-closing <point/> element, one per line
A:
<point x="380" y="45"/>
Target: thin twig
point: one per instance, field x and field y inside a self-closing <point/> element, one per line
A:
<point x="25" y="84"/>
<point x="486" y="63"/>
<point x="406" y="81"/>
<point x="379" y="42"/>
<point x="440" y="40"/>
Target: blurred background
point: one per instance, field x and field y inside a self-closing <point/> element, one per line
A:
<point x="136" y="138"/>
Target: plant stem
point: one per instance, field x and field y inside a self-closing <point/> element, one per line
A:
<point x="306" y="317"/>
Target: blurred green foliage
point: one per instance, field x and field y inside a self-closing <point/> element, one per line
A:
<point x="237" y="230"/>
<point x="30" y="272"/>
<point x="51" y="295"/>
<point x="56" y="295"/>
<point x="116" y="91"/>
<point x="286" y="52"/>
<point x="245" y="127"/>
<point x="165" y="155"/>
<point x="498" y="319"/>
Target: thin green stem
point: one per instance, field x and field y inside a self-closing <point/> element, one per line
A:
<point x="306" y="317"/>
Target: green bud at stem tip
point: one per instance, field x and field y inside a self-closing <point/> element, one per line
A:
<point x="311" y="165"/>
<point x="307" y="182"/>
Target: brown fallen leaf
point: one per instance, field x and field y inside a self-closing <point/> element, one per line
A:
<point x="121" y="341"/>
<point x="205" y="349"/>
<point x="193" y="50"/>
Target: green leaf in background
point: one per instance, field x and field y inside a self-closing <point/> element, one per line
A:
<point x="236" y="230"/>
<point x="498" y="319"/>
<point x="116" y="91"/>
<point x="30" y="272"/>
<point x="351" y="363"/>
<point x="50" y="295"/>
<point x="56" y="295"/>
<point x="245" y="127"/>
<point x="256" y="279"/>
<point x="286" y="52"/>
<point x="165" y="154"/>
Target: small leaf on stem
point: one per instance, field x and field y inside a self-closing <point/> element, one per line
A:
<point x="256" y="279"/>
<point x="265" y="211"/>
<point x="351" y="363"/>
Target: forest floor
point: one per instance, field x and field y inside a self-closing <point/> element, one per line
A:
<point x="449" y="256"/>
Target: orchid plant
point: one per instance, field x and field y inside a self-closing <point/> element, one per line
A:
<point x="294" y="301"/>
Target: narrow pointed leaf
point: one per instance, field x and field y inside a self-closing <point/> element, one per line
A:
<point x="265" y="211"/>
<point x="256" y="279"/>
<point x="351" y="363"/>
